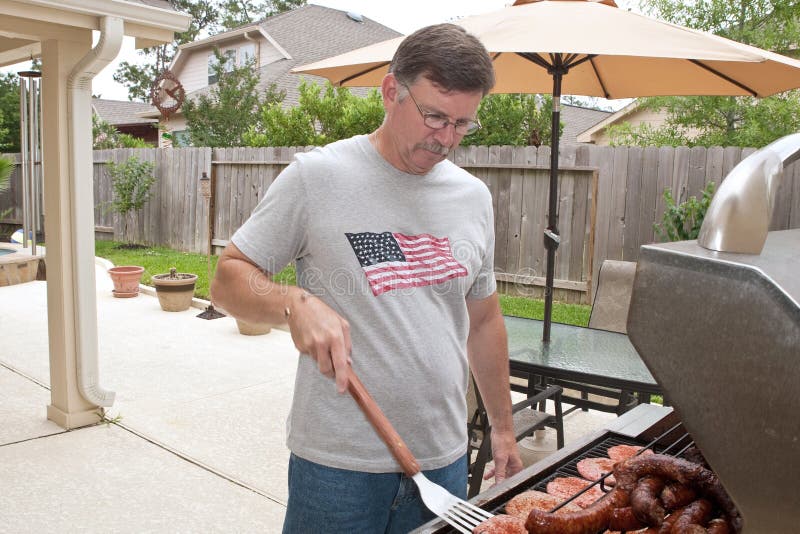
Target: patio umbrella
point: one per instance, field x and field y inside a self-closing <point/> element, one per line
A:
<point x="592" y="48"/>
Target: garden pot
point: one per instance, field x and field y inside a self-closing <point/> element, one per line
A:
<point x="175" y="290"/>
<point x="126" y="280"/>
<point x="250" y="329"/>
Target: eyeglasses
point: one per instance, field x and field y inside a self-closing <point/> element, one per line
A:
<point x="437" y="121"/>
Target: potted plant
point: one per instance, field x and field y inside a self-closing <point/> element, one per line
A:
<point x="126" y="280"/>
<point x="175" y="290"/>
<point x="250" y="329"/>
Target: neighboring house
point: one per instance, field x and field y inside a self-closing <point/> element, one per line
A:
<point x="577" y="119"/>
<point x="278" y="43"/>
<point x="632" y="113"/>
<point x="124" y="116"/>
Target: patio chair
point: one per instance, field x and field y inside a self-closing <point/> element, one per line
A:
<point x="610" y="312"/>
<point x="527" y="419"/>
<point x="613" y="296"/>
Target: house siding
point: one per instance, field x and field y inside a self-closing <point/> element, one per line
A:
<point x="655" y="119"/>
<point x="193" y="71"/>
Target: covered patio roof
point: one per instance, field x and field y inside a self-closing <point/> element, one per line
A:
<point x="60" y="33"/>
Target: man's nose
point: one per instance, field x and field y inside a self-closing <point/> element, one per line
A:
<point x="446" y="136"/>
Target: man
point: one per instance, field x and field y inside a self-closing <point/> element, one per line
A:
<point x="394" y="249"/>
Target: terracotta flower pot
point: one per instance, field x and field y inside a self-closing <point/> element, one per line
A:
<point x="175" y="290"/>
<point x="126" y="280"/>
<point x="250" y="329"/>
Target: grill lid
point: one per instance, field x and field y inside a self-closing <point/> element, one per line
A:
<point x="720" y="332"/>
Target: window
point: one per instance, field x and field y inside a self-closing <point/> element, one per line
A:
<point x="230" y="63"/>
<point x="180" y="138"/>
<point x="247" y="53"/>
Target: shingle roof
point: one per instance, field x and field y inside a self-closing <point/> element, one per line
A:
<point x="576" y="120"/>
<point x="121" y="112"/>
<point x="311" y="33"/>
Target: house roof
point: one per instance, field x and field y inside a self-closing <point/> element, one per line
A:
<point x="163" y="4"/>
<point x="577" y="119"/>
<point x="307" y="34"/>
<point x="122" y="112"/>
<point x="585" y="136"/>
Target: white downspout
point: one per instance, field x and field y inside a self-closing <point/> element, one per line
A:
<point x="79" y="111"/>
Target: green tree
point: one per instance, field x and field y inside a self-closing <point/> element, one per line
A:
<point x="222" y="117"/>
<point x="9" y="112"/>
<point x="320" y="117"/>
<point x="208" y="17"/>
<point x="513" y="119"/>
<point x="131" y="182"/>
<point x="240" y="12"/>
<point x="726" y="121"/>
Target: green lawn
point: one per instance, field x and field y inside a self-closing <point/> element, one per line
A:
<point x="157" y="260"/>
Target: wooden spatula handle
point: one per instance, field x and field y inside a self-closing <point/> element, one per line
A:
<point x="382" y="426"/>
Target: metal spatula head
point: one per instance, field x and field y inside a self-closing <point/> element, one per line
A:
<point x="460" y="514"/>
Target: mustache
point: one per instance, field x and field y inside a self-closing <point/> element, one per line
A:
<point x="437" y="148"/>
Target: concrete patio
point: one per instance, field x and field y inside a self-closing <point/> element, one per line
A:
<point x="199" y="446"/>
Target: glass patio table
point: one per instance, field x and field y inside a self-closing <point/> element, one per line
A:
<point x="585" y="359"/>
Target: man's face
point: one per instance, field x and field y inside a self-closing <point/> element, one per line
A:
<point x="416" y="148"/>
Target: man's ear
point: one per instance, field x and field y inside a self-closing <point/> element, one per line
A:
<point x="389" y="90"/>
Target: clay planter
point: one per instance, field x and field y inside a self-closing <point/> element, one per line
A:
<point x="249" y="329"/>
<point x="126" y="280"/>
<point x="175" y="290"/>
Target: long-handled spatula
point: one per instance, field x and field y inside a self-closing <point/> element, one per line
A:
<point x="460" y="514"/>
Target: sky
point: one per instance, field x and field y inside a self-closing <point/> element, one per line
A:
<point x="404" y="16"/>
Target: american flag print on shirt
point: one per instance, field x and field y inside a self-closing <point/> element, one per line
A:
<point x="395" y="261"/>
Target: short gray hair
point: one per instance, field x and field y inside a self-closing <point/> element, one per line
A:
<point x="446" y="55"/>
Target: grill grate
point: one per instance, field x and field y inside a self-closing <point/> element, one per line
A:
<point x="675" y="441"/>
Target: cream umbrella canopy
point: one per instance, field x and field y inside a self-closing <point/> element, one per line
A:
<point x="592" y="48"/>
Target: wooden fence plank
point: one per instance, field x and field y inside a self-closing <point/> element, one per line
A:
<point x="647" y="199"/>
<point x="498" y="154"/>
<point x="630" y="234"/>
<point x="517" y="155"/>
<point x="613" y="187"/>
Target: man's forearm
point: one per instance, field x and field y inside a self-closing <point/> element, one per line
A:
<point x="249" y="294"/>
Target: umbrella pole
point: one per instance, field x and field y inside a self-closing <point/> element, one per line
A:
<point x="551" y="237"/>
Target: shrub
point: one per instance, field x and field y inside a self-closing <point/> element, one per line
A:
<point x="682" y="222"/>
<point x="131" y="181"/>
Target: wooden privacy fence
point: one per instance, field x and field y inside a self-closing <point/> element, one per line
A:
<point x="609" y="199"/>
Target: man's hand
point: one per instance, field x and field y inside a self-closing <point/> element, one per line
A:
<point x="505" y="453"/>
<point x="323" y="334"/>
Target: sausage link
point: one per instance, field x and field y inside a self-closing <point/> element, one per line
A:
<point x="719" y="526"/>
<point x="644" y="501"/>
<point x="697" y="513"/>
<point x="593" y="519"/>
<point x="623" y="519"/>
<point x="676" y="495"/>
<point x="627" y="473"/>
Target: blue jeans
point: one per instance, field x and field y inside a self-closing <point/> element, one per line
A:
<point x="326" y="499"/>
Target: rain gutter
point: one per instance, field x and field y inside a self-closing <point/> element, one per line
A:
<point x="79" y="101"/>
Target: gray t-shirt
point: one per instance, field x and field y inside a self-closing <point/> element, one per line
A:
<point x="397" y="255"/>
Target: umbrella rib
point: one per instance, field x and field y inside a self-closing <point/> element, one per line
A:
<point x="599" y="78"/>
<point x="536" y="58"/>
<point x="361" y="73"/>
<point x="724" y="77"/>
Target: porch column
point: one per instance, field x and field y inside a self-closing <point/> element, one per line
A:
<point x="71" y="299"/>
